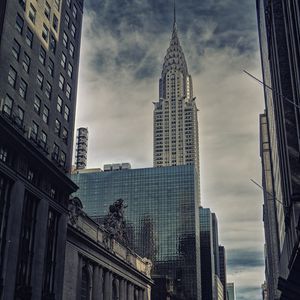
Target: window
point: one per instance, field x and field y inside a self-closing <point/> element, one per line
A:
<point x="55" y="152"/>
<point x="57" y="4"/>
<point x="63" y="60"/>
<point x="55" y="23"/>
<point x="61" y="82"/>
<point x="67" y="20"/>
<point x="45" y="33"/>
<point x="59" y="104"/>
<point x="23" y="4"/>
<point x="3" y="158"/>
<point x="71" y="50"/>
<point x="43" y="140"/>
<point x="26" y="246"/>
<point x="12" y="76"/>
<point x="23" y="88"/>
<point x="47" y="11"/>
<point x="20" y="116"/>
<point x="40" y="79"/>
<point x="65" y="40"/>
<point x="74" y="11"/>
<point x="70" y="70"/>
<point x="73" y="30"/>
<point x="8" y="105"/>
<point x="34" y="131"/>
<point x="42" y="56"/>
<point x="29" y="37"/>
<point x="45" y="115"/>
<point x="37" y="104"/>
<point x="57" y="127"/>
<point x="68" y="91"/>
<point x="19" y="24"/>
<point x="50" y="67"/>
<point x="67" y="113"/>
<point x="50" y="257"/>
<point x="32" y="13"/>
<point x="48" y="90"/>
<point x="62" y="158"/>
<point x="26" y="62"/>
<point x="16" y="48"/>
<point x="65" y="135"/>
<point x="52" y="43"/>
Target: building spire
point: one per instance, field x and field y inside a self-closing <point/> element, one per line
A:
<point x="174" y="20"/>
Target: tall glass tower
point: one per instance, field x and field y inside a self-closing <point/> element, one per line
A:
<point x="175" y="114"/>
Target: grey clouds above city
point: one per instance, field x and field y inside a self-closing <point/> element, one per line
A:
<point x="123" y="46"/>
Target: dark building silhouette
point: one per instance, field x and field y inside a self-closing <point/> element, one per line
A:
<point x="223" y="274"/>
<point x="39" y="54"/>
<point x="213" y="265"/>
<point x="279" y="29"/>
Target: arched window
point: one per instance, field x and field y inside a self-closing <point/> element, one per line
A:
<point x="84" y="291"/>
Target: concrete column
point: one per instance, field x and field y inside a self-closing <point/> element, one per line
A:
<point x="60" y="255"/>
<point x="108" y="286"/>
<point x="101" y="284"/>
<point x="136" y="293"/>
<point x="79" y="277"/>
<point x="122" y="289"/>
<point x="117" y="283"/>
<point x="96" y="283"/>
<point x="16" y="199"/>
<point x="40" y="249"/>
<point x="125" y="289"/>
<point x="141" y="294"/>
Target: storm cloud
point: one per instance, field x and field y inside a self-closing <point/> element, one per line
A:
<point x="123" y="46"/>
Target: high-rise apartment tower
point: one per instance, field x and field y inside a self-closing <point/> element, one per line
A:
<point x="175" y="114"/>
<point x="82" y="138"/>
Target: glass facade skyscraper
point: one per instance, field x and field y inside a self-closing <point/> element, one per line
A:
<point x="162" y="217"/>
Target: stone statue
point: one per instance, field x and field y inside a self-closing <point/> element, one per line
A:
<point x="115" y="223"/>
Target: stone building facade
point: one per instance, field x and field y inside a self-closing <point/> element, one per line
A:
<point x="98" y="267"/>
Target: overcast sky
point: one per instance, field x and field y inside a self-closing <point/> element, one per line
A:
<point x="123" y="46"/>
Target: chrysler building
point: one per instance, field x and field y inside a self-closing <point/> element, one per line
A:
<point x="175" y="114"/>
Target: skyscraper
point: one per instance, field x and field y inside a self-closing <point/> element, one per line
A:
<point x="162" y="217"/>
<point x="208" y="280"/>
<point x="231" y="291"/>
<point x="39" y="55"/>
<point x="279" y="28"/>
<point x="82" y="138"/>
<point x="175" y="114"/>
<point x="223" y="270"/>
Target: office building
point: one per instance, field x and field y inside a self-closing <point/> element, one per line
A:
<point x="81" y="150"/>
<point x="280" y="143"/>
<point x="162" y="217"/>
<point x="231" y="291"/>
<point x="213" y="268"/>
<point x="207" y="254"/>
<point x="39" y="55"/>
<point x="176" y="139"/>
<point x="97" y="266"/>
<point x="223" y="274"/>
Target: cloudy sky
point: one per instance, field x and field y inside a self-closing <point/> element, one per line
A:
<point x="123" y="46"/>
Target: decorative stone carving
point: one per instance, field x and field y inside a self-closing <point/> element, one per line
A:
<point x="75" y="210"/>
<point x="115" y="223"/>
